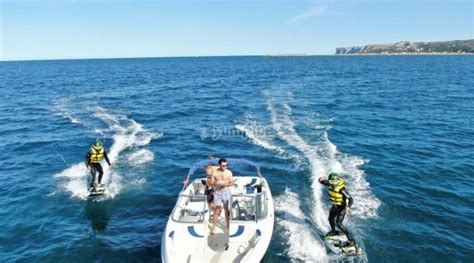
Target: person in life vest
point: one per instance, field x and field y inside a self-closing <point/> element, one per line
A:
<point x="341" y="203"/>
<point x="93" y="159"/>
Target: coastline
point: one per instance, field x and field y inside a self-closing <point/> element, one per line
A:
<point x="266" y="55"/>
<point x="407" y="54"/>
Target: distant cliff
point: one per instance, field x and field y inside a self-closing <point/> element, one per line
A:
<point x="455" y="46"/>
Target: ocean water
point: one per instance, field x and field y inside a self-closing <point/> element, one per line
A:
<point x="399" y="128"/>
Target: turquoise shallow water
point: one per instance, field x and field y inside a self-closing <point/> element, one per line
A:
<point x="400" y="129"/>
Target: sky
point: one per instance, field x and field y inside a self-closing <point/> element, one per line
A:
<point x="66" y="29"/>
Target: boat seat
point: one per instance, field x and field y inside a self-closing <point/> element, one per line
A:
<point x="188" y="215"/>
<point x="198" y="198"/>
<point x="252" y="186"/>
<point x="244" y="215"/>
<point x="241" y="213"/>
<point x="191" y="219"/>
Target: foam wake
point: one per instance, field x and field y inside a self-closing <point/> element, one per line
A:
<point x="323" y="158"/>
<point x="285" y="128"/>
<point x="63" y="109"/>
<point x="258" y="134"/>
<point x="303" y="243"/>
<point x="126" y="134"/>
<point x="140" y="157"/>
<point x="60" y="109"/>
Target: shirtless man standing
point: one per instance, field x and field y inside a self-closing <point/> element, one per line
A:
<point x="222" y="179"/>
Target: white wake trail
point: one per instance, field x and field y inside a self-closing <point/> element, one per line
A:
<point x="324" y="158"/>
<point x="285" y="128"/>
<point x="60" y="109"/>
<point x="258" y="134"/>
<point x="140" y="157"/>
<point x="366" y="203"/>
<point x="303" y="246"/>
<point x="127" y="134"/>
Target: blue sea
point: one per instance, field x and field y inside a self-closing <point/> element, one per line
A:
<point x="400" y="129"/>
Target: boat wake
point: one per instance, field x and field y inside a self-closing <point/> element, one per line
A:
<point x="321" y="157"/>
<point x="297" y="230"/>
<point x="258" y="134"/>
<point x="129" y="139"/>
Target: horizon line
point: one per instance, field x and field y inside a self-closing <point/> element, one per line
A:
<point x="184" y="56"/>
<point x="266" y="55"/>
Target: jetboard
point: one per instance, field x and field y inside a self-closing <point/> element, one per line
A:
<point x="339" y="244"/>
<point x="97" y="190"/>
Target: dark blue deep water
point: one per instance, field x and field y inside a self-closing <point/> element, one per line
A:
<point x="399" y="128"/>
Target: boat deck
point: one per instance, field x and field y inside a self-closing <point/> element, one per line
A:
<point x="188" y="237"/>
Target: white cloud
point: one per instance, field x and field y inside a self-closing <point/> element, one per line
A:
<point x="318" y="8"/>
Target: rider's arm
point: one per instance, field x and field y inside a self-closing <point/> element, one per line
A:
<point x="322" y="180"/>
<point x="347" y="196"/>
<point x="88" y="159"/>
<point x="106" y="157"/>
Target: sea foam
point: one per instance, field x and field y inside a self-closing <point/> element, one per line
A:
<point x="126" y="134"/>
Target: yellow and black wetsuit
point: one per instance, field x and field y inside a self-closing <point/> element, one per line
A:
<point x="340" y="199"/>
<point x="93" y="159"/>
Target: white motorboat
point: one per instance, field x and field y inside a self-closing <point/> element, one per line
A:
<point x="187" y="235"/>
